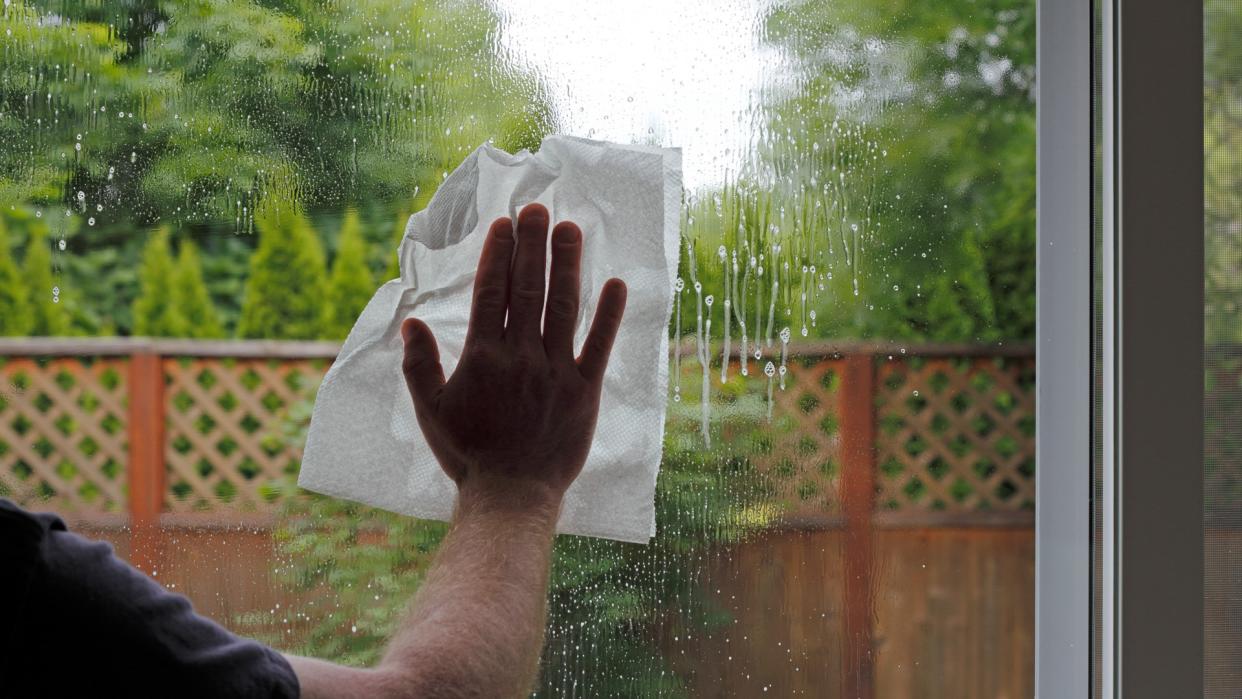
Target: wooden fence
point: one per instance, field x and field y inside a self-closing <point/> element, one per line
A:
<point x="156" y="434"/>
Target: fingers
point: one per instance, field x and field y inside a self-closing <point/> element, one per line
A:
<point x="608" y="312"/>
<point x="421" y="365"/>
<point x="491" y="283"/>
<point x="562" y="310"/>
<point x="526" y="281"/>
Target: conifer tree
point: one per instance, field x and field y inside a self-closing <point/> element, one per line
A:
<point x="393" y="269"/>
<point x="350" y="285"/>
<point x="15" y="316"/>
<point x="190" y="297"/>
<point x="48" y="318"/>
<point x="285" y="289"/>
<point x="154" y="311"/>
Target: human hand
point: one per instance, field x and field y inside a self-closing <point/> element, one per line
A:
<point x="519" y="409"/>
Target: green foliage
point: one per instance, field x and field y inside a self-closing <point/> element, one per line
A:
<point x="959" y="308"/>
<point x="189" y="113"/>
<point x="47" y="316"/>
<point x="350" y="285"/>
<point x="15" y="317"/>
<point x="1222" y="184"/>
<point x="393" y="269"/>
<point x="287" y="281"/>
<point x="190" y="297"/>
<point x="940" y="147"/>
<point x="155" y="310"/>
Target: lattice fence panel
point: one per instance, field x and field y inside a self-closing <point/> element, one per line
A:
<point x="804" y="460"/>
<point x="955" y="434"/>
<point x="795" y="448"/>
<point x="228" y="443"/>
<point x="63" y="433"/>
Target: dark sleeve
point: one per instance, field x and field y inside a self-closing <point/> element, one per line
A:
<point x="91" y="614"/>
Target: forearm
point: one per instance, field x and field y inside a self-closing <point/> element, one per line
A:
<point x="476" y="625"/>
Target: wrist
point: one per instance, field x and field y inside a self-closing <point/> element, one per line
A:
<point x="504" y="494"/>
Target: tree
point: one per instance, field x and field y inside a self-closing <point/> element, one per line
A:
<point x="286" y="287"/>
<point x="48" y="318"/>
<point x="155" y="310"/>
<point x="190" y="112"/>
<point x="190" y="298"/>
<point x="393" y="269"/>
<point x="15" y="316"/>
<point x="350" y="285"/>
<point x="915" y="123"/>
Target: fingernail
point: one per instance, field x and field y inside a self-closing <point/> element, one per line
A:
<point x="407" y="330"/>
<point x="503" y="229"/>
<point x="536" y="210"/>
<point x="568" y="234"/>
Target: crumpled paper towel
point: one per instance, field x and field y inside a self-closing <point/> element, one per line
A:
<point x="364" y="443"/>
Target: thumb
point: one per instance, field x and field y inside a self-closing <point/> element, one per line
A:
<point x="421" y="364"/>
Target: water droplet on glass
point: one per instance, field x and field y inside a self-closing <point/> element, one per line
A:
<point x="769" y="369"/>
<point x="679" y="285"/>
<point x="90" y="221"/>
<point x="61" y="244"/>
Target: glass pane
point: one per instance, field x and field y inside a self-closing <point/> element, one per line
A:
<point x="1222" y="163"/>
<point x="845" y="506"/>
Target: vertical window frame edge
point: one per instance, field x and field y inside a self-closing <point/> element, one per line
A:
<point x="1064" y="350"/>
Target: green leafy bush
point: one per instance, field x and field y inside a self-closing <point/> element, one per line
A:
<point x="287" y="281"/>
<point x="155" y="313"/>
<point x="191" y="298"/>
<point x="350" y="285"/>
<point x="15" y="317"/>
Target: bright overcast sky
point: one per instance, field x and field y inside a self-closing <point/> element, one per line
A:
<point x="682" y="73"/>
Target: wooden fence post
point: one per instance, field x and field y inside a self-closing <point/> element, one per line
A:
<point x="146" y="458"/>
<point x="858" y="430"/>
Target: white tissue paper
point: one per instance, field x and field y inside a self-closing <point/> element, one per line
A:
<point x="364" y="443"/>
